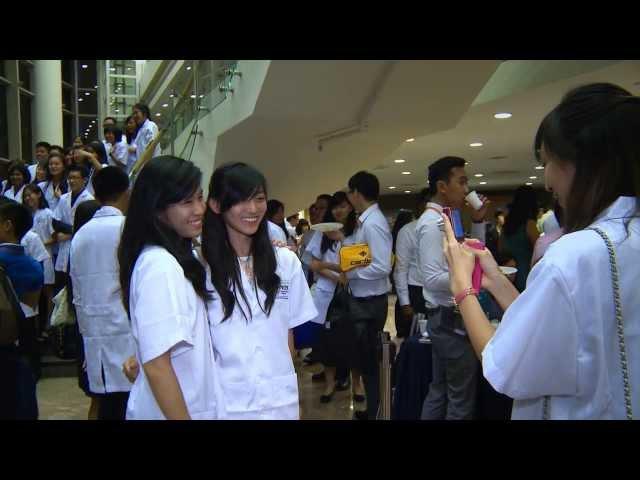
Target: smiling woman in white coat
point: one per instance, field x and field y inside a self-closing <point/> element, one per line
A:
<point x="568" y="346"/>
<point x="261" y="294"/>
<point x="164" y="291"/>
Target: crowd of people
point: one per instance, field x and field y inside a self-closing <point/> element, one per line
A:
<point x="195" y="308"/>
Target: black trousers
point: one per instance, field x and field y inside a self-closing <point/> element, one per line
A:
<point x="29" y="348"/>
<point x="113" y="406"/>
<point x="403" y="325"/>
<point x="371" y="374"/>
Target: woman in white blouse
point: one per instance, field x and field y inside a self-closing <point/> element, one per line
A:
<point x="19" y="176"/>
<point x="165" y="294"/>
<point x="566" y="349"/>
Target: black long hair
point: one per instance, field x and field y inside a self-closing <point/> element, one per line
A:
<point x="595" y="128"/>
<point x="231" y="184"/>
<point x="523" y="208"/>
<point x="130" y="136"/>
<point x="273" y="206"/>
<point x="404" y="216"/>
<point x="164" y="181"/>
<point x="22" y="168"/>
<point x="349" y="226"/>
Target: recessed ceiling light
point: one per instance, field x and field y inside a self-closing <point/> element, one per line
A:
<point x="483" y="183"/>
<point x="189" y="67"/>
<point x="113" y="69"/>
<point x="475" y="144"/>
<point x="81" y="99"/>
<point x="117" y="111"/>
<point x="407" y="191"/>
<point x="193" y="96"/>
<point x="129" y="68"/>
<point x="158" y="114"/>
<point x="502" y="115"/>
<point x="479" y="175"/>
<point x="406" y="173"/>
<point x="165" y="105"/>
<point x="95" y="86"/>
<point x="391" y="188"/>
<point x="201" y="96"/>
<point x="85" y="65"/>
<point x="533" y="177"/>
<point x="539" y="167"/>
<point x="399" y="160"/>
<point x="87" y="93"/>
<point x="529" y="183"/>
<point x="171" y="95"/>
<point x="409" y="140"/>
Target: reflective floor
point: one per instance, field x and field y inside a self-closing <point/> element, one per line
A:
<point x="61" y="399"/>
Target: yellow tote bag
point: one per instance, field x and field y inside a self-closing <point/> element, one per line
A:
<point x="356" y="255"/>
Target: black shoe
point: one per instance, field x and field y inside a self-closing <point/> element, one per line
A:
<point x="360" y="415"/>
<point x="318" y="377"/>
<point x="326" y="398"/>
<point x="358" y="398"/>
<point x="342" y="386"/>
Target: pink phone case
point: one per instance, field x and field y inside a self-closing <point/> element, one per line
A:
<point x="476" y="276"/>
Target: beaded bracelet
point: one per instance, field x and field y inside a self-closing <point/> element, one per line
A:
<point x="464" y="294"/>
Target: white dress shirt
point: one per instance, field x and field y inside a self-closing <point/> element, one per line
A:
<point x="405" y="272"/>
<point x="373" y="279"/>
<point x="102" y="319"/>
<point x="558" y="338"/>
<point x="433" y="269"/>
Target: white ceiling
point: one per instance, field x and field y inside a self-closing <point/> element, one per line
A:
<point x="444" y="105"/>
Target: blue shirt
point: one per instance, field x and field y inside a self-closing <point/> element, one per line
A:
<point x="25" y="273"/>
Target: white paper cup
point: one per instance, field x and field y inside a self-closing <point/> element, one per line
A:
<point x="474" y="200"/>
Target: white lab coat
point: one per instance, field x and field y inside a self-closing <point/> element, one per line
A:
<point x="120" y="152"/>
<point x="168" y="315"/>
<point x="145" y="135"/>
<point x="10" y="193"/>
<point x="102" y="319"/>
<point x="34" y="248"/>
<point x="324" y="287"/>
<point x="32" y="171"/>
<point x="275" y="232"/>
<point x="44" y="229"/>
<point x="65" y="213"/>
<point x="405" y="272"/>
<point x="257" y="373"/>
<point x="92" y="172"/>
<point x="49" y="194"/>
<point x="558" y="338"/>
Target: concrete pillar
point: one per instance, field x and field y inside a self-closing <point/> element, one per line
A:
<point x="47" y="104"/>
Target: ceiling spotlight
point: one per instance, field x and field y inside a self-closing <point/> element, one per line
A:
<point x="113" y="69"/>
<point x="502" y="115"/>
<point x="171" y="95"/>
<point x="539" y="167"/>
<point x="189" y="67"/>
<point x="399" y="160"/>
<point x="87" y="93"/>
<point x="158" y="114"/>
<point x="529" y="184"/>
<point x="392" y="187"/>
<point x="407" y="191"/>
<point x="117" y="111"/>
<point x="165" y="105"/>
<point x="406" y="173"/>
<point x="201" y="96"/>
<point x="409" y="140"/>
<point x="95" y="86"/>
<point x="193" y="95"/>
<point x="84" y="65"/>
<point x="483" y="183"/>
<point x="479" y="175"/>
<point x="533" y="178"/>
<point x="81" y="99"/>
<point x="129" y="68"/>
<point x="475" y="144"/>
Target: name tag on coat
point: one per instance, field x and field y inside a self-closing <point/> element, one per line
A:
<point x="283" y="291"/>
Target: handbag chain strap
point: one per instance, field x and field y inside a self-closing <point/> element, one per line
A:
<point x="619" y="325"/>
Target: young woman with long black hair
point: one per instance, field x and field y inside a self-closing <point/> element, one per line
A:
<point x="261" y="295"/>
<point x="165" y="294"/>
<point x="55" y="184"/>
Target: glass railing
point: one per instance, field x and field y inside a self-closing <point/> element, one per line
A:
<point x="199" y="87"/>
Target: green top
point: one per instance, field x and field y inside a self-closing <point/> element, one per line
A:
<point x="518" y="246"/>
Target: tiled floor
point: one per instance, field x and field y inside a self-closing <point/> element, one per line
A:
<point x="61" y="399"/>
